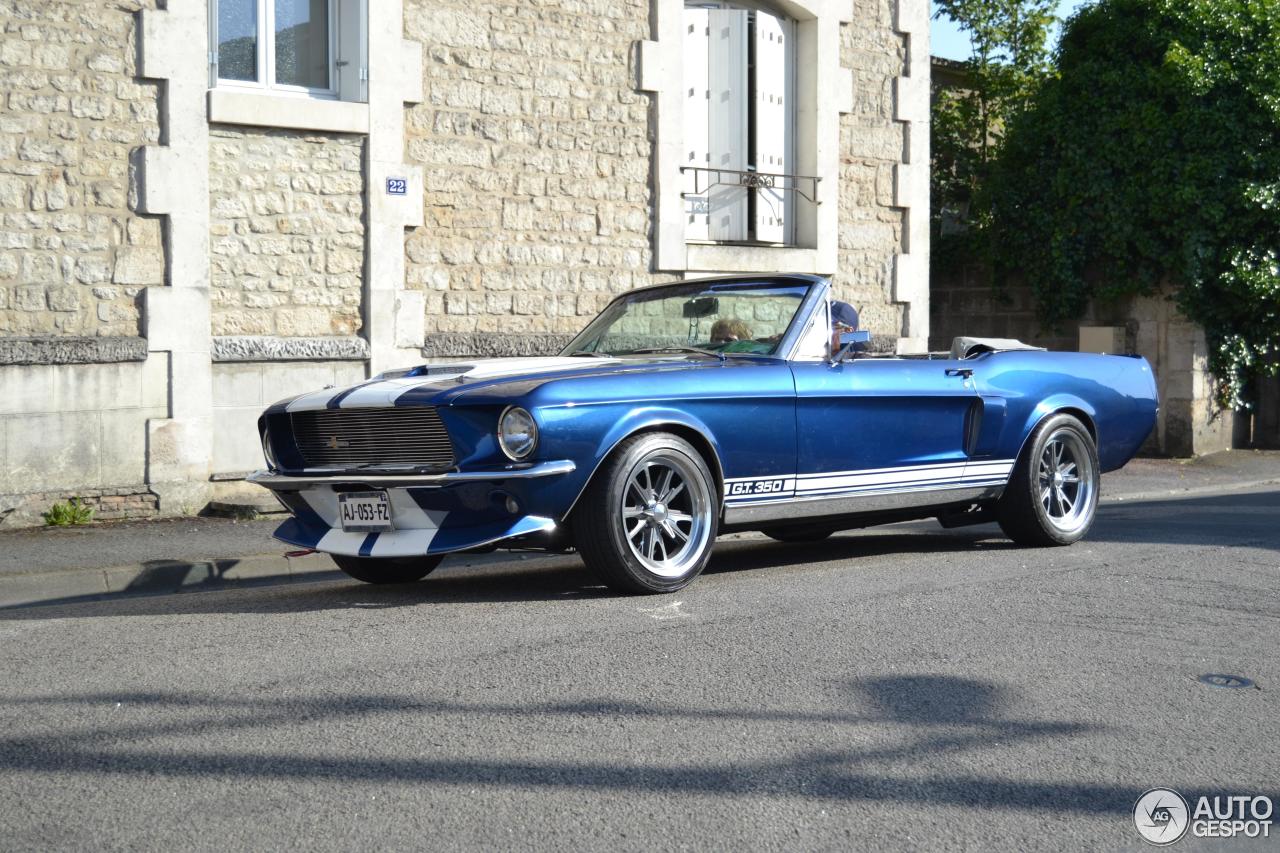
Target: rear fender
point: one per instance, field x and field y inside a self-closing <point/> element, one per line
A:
<point x="1053" y="405"/>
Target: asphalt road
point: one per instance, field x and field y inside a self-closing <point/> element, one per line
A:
<point x="899" y="688"/>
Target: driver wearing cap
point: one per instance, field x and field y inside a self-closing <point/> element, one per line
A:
<point x="844" y="318"/>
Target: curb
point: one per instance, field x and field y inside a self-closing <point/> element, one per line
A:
<point x="174" y="576"/>
<point x="161" y="576"/>
<point x="1190" y="491"/>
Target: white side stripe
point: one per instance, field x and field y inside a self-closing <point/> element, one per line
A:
<point x="908" y="478"/>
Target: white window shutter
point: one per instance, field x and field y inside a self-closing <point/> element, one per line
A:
<point x="728" y="121"/>
<point x="352" y="42"/>
<point x="696" y="150"/>
<point x="213" y="43"/>
<point x="773" y="50"/>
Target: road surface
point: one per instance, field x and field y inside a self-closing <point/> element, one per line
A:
<point x="896" y="688"/>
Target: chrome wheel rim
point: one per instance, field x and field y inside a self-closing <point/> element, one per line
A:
<point x="1065" y="479"/>
<point x="665" y="513"/>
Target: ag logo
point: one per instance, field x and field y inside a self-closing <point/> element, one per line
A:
<point x="1161" y="816"/>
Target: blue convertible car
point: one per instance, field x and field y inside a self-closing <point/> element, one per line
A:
<point x="693" y="409"/>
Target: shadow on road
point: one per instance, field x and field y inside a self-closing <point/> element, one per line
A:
<point x="545" y="578"/>
<point x="928" y="717"/>
<point x="1241" y="519"/>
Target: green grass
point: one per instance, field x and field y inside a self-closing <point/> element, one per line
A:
<point x="73" y="512"/>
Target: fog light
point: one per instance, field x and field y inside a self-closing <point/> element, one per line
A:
<point x="513" y="506"/>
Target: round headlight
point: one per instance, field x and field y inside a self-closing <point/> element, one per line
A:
<point x="268" y="451"/>
<point x="517" y="433"/>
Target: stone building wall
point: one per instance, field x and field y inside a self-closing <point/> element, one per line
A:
<point x="871" y="147"/>
<point x="962" y="302"/>
<point x="535" y="151"/>
<point x="73" y="258"/>
<point x="286" y="232"/>
<point x="172" y="258"/>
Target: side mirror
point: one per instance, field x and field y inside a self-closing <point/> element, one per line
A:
<point x="850" y="342"/>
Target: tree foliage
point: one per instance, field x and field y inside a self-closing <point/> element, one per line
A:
<point x="1010" y="59"/>
<point x="1152" y="158"/>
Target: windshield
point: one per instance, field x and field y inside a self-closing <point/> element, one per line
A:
<point x="729" y="317"/>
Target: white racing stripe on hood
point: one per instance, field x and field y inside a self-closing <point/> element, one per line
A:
<point x="489" y="368"/>
<point x="385" y="392"/>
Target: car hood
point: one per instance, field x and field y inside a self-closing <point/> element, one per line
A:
<point x="442" y="383"/>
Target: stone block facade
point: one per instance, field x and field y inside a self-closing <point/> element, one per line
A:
<point x="286" y="232"/>
<point x="871" y="150"/>
<point x="73" y="256"/>
<point x="175" y="253"/>
<point x="535" y="152"/>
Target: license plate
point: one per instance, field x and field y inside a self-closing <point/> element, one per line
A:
<point x="364" y="512"/>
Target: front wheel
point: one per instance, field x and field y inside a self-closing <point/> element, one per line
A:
<point x="388" y="569"/>
<point x="1053" y="494"/>
<point x="647" y="521"/>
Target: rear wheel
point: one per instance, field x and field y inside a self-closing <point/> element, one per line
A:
<point x="647" y="521"/>
<point x="388" y="569"/>
<point x="1053" y="493"/>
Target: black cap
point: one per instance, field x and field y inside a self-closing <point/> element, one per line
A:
<point x="844" y="314"/>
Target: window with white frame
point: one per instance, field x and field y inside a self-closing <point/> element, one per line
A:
<point x="739" y="125"/>
<point x="310" y="48"/>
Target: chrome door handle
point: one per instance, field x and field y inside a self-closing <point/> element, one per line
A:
<point x="966" y="372"/>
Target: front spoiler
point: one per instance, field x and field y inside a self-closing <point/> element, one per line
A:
<point x="407" y="543"/>
<point x="433" y="513"/>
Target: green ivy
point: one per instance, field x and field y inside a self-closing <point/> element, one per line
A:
<point x="1152" y="159"/>
<point x="1009" y="60"/>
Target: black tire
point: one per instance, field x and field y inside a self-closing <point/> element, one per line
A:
<point x="1040" y="509"/>
<point x="382" y="570"/>
<point x="621" y="527"/>
<point x="798" y="534"/>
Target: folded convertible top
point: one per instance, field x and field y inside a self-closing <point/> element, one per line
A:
<point x="969" y="347"/>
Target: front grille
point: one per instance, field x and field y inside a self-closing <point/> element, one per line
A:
<point x="350" y="438"/>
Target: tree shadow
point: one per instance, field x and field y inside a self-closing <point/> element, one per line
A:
<point x="928" y="715"/>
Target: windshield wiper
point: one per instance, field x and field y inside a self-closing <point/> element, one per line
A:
<point x="591" y="352"/>
<point x="696" y="350"/>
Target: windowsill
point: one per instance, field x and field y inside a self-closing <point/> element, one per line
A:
<point x="746" y="257"/>
<point x="287" y="111"/>
<point x="750" y="244"/>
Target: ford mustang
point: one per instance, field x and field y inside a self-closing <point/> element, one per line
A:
<point x="688" y="410"/>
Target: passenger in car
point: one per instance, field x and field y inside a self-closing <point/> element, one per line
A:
<point x="729" y="329"/>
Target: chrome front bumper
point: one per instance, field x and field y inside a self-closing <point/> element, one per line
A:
<point x="381" y="478"/>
